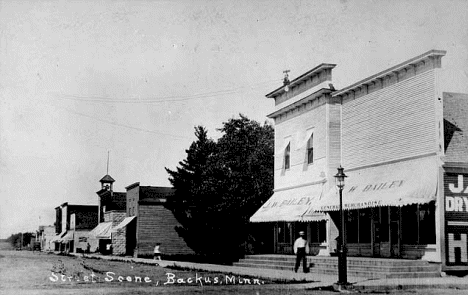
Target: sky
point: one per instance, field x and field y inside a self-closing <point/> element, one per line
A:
<point x="81" y="79"/>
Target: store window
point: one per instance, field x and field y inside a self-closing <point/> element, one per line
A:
<point x="427" y="233"/>
<point x="318" y="232"/>
<point x="384" y="224"/>
<point x="409" y="219"/>
<point x="352" y="226"/>
<point x="418" y="224"/>
<point x="284" y="232"/>
<point x="365" y="223"/>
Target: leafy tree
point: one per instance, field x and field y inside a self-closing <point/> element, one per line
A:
<point x="221" y="184"/>
<point x="20" y="240"/>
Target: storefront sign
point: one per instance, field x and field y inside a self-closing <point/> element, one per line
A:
<point x="456" y="218"/>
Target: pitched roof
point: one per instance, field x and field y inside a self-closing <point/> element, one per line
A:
<point x="107" y="178"/>
<point x="456" y="127"/>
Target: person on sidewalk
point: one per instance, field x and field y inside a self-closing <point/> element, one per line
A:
<point x="301" y="248"/>
<point x="157" y="252"/>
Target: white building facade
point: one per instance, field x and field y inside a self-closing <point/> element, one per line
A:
<point x="387" y="131"/>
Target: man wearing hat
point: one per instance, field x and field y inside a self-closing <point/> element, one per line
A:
<point x="301" y="248"/>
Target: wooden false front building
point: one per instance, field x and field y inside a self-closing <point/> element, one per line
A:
<point x="400" y="140"/>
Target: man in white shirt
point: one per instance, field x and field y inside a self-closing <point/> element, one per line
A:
<point x="301" y="248"/>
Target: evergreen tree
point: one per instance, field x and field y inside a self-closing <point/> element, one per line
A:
<point x="221" y="184"/>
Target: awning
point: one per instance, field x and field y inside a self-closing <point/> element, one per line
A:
<point x="124" y="223"/>
<point x="102" y="231"/>
<point x="56" y="238"/>
<point x="303" y="142"/>
<point x="67" y="237"/>
<point x="397" y="184"/>
<point x="291" y="205"/>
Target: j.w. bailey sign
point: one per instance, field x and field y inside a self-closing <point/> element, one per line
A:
<point x="372" y="187"/>
<point x="456" y="218"/>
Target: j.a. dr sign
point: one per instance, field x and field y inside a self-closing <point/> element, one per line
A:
<point x="456" y="218"/>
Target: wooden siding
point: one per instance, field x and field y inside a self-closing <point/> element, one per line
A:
<point x="300" y="171"/>
<point x="395" y="122"/>
<point x="334" y="140"/>
<point x="156" y="225"/>
<point x="132" y="200"/>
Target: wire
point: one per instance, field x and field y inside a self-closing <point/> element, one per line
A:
<point x="159" y="99"/>
<point x="123" y="125"/>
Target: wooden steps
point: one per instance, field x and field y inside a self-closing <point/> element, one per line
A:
<point x="357" y="266"/>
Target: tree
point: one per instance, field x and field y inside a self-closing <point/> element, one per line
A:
<point x="221" y="184"/>
<point x="20" y="240"/>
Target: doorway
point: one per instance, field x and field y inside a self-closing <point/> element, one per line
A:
<point x="385" y="232"/>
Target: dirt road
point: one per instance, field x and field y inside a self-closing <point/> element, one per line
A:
<point x="25" y="272"/>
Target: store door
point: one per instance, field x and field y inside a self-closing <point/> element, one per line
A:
<point x="395" y="230"/>
<point x="381" y="236"/>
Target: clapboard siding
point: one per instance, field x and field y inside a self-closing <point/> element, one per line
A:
<point x="394" y="122"/>
<point x="295" y="129"/>
<point x="334" y="139"/>
<point x="156" y="225"/>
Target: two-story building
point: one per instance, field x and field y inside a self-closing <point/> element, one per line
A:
<point x="71" y="223"/>
<point x="400" y="140"/>
<point x="111" y="211"/>
<point x="148" y="222"/>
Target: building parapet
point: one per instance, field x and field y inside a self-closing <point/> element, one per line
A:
<point x="428" y="60"/>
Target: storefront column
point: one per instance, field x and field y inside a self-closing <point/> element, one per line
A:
<point x="440" y="219"/>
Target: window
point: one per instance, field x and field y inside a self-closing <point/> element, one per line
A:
<point x="409" y="217"/>
<point x="310" y="149"/>
<point x="352" y="226"/>
<point x="427" y="228"/>
<point x="287" y="156"/>
<point x="284" y="232"/>
<point x="365" y="225"/>
<point x="318" y="232"/>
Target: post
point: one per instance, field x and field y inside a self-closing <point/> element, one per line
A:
<point x="342" y="268"/>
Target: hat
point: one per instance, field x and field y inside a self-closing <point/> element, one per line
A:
<point x="301" y="233"/>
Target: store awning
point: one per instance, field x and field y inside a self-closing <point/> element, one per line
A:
<point x="67" y="237"/>
<point x="56" y="238"/>
<point x="102" y="231"/>
<point x="291" y="205"/>
<point x="397" y="184"/>
<point x="124" y="223"/>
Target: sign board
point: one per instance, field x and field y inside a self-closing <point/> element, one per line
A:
<point x="456" y="219"/>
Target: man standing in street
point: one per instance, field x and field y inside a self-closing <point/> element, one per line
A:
<point x="301" y="248"/>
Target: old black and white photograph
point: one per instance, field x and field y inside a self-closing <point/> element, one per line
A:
<point x="233" y="147"/>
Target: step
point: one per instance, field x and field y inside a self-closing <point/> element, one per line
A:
<point x="352" y="272"/>
<point x="334" y="262"/>
<point x="386" y="269"/>
<point x="350" y="260"/>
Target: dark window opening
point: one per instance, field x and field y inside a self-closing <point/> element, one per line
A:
<point x="287" y="156"/>
<point x="310" y="150"/>
<point x="318" y="232"/>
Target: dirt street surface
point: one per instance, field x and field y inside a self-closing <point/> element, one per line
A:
<point x="25" y="272"/>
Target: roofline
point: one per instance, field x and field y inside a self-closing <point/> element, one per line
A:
<point x="74" y="205"/>
<point x="151" y="201"/>
<point x="132" y="185"/>
<point x="299" y="79"/>
<point x="299" y="102"/>
<point x="414" y="60"/>
<point x="168" y="187"/>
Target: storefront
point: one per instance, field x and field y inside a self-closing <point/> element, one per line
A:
<point x="389" y="209"/>
<point x="287" y="212"/>
<point x="456" y="218"/>
<point x="100" y="238"/>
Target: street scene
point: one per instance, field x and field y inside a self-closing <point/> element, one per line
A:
<point x="27" y="272"/>
<point x="219" y="147"/>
